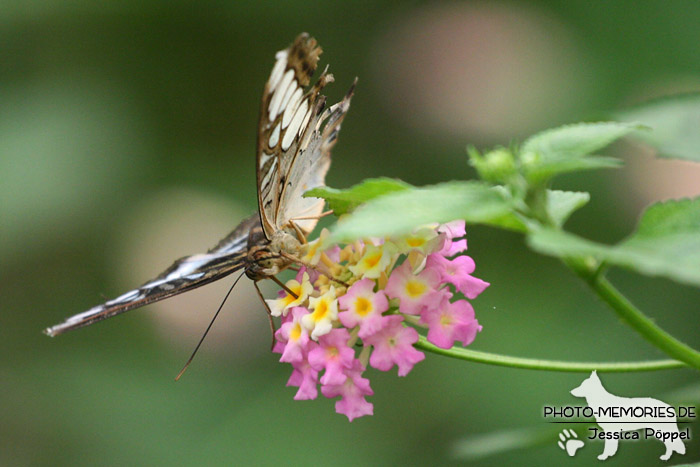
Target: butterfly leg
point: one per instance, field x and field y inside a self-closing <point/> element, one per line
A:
<point x="300" y="234"/>
<point x="273" y="330"/>
<point x="323" y="214"/>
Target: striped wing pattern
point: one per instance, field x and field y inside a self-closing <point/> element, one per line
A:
<point x="185" y="274"/>
<point x="293" y="155"/>
<point x="293" y="150"/>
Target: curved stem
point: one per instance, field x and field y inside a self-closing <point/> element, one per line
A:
<point x="631" y="314"/>
<point x="547" y="365"/>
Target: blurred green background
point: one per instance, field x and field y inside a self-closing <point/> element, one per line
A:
<point x="127" y="139"/>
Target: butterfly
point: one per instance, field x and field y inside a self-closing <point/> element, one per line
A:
<point x="296" y="133"/>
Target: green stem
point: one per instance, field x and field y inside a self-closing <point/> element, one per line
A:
<point x="548" y="365"/>
<point x="588" y="271"/>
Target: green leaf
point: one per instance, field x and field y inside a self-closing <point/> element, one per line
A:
<point x="675" y="122"/>
<point x="561" y="204"/>
<point x="666" y="243"/>
<point x="401" y="212"/>
<point x="545" y="169"/>
<point x="509" y="220"/>
<point x="567" y="149"/>
<point x="343" y="201"/>
<point x="577" y="140"/>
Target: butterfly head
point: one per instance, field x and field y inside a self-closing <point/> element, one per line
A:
<point x="267" y="258"/>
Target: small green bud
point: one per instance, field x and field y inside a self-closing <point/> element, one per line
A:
<point x="494" y="166"/>
<point x="529" y="160"/>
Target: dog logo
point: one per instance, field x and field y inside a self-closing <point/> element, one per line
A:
<point x="622" y="417"/>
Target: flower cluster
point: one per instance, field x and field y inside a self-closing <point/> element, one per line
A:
<point x="351" y="307"/>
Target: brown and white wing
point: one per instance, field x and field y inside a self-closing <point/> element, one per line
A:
<point x="185" y="274"/>
<point x="293" y="149"/>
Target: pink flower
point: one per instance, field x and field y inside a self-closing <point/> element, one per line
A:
<point x="353" y="392"/>
<point x="294" y="335"/>
<point x="334" y="305"/>
<point x="451" y="322"/>
<point x="364" y="307"/>
<point x="393" y="345"/>
<point x="414" y="292"/>
<point x="333" y="355"/>
<point x="451" y="231"/>
<point x="458" y="272"/>
<point x="305" y="378"/>
<point x="279" y="345"/>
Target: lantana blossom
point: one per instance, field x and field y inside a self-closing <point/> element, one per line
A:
<point x="393" y="345"/>
<point x="426" y="240"/>
<point x="374" y="260"/>
<point x="363" y="307"/>
<point x="305" y="377"/>
<point x="353" y="392"/>
<point x="314" y="249"/>
<point x="332" y="355"/>
<point x="414" y="291"/>
<point x="458" y="273"/>
<point x="301" y="291"/>
<point x="450" y="322"/>
<point x="453" y="231"/>
<point x="325" y="311"/>
<point x="294" y="335"/>
<point x="352" y="307"/>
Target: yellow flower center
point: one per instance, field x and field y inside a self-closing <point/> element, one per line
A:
<point x="295" y="333"/>
<point x="312" y="250"/>
<point x="446" y="320"/>
<point x="289" y="298"/>
<point x="372" y="260"/>
<point x="415" y="288"/>
<point x="362" y="306"/>
<point x="415" y="242"/>
<point x="321" y="310"/>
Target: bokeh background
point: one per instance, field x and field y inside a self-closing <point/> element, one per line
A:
<point x="127" y="139"/>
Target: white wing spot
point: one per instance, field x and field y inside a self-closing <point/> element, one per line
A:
<point x="275" y="136"/>
<point x="288" y="95"/>
<point x="279" y="94"/>
<point x="291" y="108"/>
<point x="278" y="69"/>
<point x="263" y="159"/>
<point x="125" y="298"/>
<point x="294" y="126"/>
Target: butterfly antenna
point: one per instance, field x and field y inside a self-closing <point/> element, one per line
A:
<point x="208" y="328"/>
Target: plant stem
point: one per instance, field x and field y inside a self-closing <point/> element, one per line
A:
<point x="548" y="365"/>
<point x="584" y="268"/>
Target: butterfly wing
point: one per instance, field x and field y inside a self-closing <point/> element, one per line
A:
<point x="293" y="149"/>
<point x="185" y="274"/>
<point x="295" y="138"/>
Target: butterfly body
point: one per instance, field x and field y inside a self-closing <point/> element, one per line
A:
<point x="296" y="133"/>
<point x="268" y="257"/>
